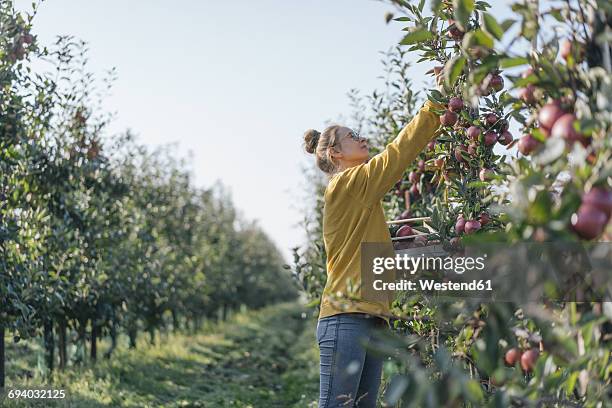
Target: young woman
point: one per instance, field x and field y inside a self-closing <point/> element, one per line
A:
<point x="350" y="374"/>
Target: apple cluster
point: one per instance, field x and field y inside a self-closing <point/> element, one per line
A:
<point x="527" y="359"/>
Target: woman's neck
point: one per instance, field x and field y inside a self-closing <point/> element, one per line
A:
<point x="347" y="165"/>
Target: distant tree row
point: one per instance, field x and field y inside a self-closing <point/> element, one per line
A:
<point x="98" y="234"/>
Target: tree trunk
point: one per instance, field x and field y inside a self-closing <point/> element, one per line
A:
<point x="113" y="336"/>
<point x="82" y="341"/>
<point x="151" y="331"/>
<point x="93" y="355"/>
<point x="1" y="356"/>
<point x="49" y="344"/>
<point x="62" y="344"/>
<point x="132" y="334"/>
<point x="175" y="321"/>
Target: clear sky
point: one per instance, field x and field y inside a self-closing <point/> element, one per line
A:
<point x="235" y="82"/>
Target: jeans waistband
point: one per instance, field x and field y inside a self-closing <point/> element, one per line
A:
<point x="361" y="315"/>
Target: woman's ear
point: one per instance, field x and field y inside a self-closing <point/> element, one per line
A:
<point x="335" y="153"/>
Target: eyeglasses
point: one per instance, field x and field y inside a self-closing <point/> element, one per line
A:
<point x="355" y="136"/>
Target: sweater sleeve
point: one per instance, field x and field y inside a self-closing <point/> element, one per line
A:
<point x="369" y="182"/>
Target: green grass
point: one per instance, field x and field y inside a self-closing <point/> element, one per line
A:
<point x="265" y="358"/>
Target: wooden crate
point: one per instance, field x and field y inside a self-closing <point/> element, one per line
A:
<point x="406" y="245"/>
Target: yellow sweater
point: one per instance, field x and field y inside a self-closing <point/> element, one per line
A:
<point x="353" y="213"/>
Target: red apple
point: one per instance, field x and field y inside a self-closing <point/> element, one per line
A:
<point x="448" y="118"/>
<point x="589" y="221"/>
<point x="527" y="94"/>
<point x="459" y="225"/>
<point x="472" y="148"/>
<point x="455" y="33"/>
<point x="473" y="132"/>
<point x="549" y="114"/>
<point x="568" y="48"/>
<point x="527" y="144"/>
<point x="404" y="231"/>
<point x="484" y="218"/>
<point x="564" y="128"/>
<point x="491" y="119"/>
<point x="505" y="138"/>
<point x="405" y="215"/>
<point x="414" y="177"/>
<point x="414" y="190"/>
<point x="472" y="226"/>
<point x="601" y="198"/>
<point x="18" y="53"/>
<point x="421" y="165"/>
<point x="458" y="155"/>
<point x="27" y="38"/>
<point x="529" y="359"/>
<point x="439" y="163"/>
<point x="431" y="145"/>
<point x="496" y="83"/>
<point x="455" y="104"/>
<point x="490" y="138"/>
<point x="420" y="240"/>
<point x="512" y="356"/>
<point x="503" y="125"/>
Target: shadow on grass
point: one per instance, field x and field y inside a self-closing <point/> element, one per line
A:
<point x="260" y="359"/>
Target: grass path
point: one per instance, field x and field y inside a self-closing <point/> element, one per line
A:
<point x="266" y="358"/>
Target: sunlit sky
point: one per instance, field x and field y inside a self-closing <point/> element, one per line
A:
<point x="234" y="82"/>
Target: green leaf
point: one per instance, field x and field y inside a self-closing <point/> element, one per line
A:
<point x="417" y="35"/>
<point x="483" y="39"/>
<point x="477" y="37"/>
<point x="512" y="62"/>
<point x="313" y="303"/>
<point x="529" y="28"/>
<point x="478" y="74"/>
<point x="538" y="135"/>
<point x="571" y="383"/>
<point x="473" y="391"/>
<point x="491" y="26"/>
<point x="530" y="79"/>
<point x="506" y="24"/>
<point x="463" y="9"/>
<point x="396" y="389"/>
<point x="436" y="96"/>
<point x="476" y="184"/>
<point x="435" y="6"/>
<point x="453" y="69"/>
<point x="556" y="13"/>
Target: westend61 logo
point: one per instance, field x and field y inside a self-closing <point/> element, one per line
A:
<point x="522" y="272"/>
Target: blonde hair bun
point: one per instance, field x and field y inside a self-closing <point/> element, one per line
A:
<point x="311" y="140"/>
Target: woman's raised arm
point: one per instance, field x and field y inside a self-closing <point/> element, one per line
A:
<point x="369" y="182"/>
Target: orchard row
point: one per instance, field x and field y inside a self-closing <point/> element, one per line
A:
<point x="98" y="234"/>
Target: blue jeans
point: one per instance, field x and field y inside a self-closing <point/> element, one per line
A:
<point x="349" y="374"/>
